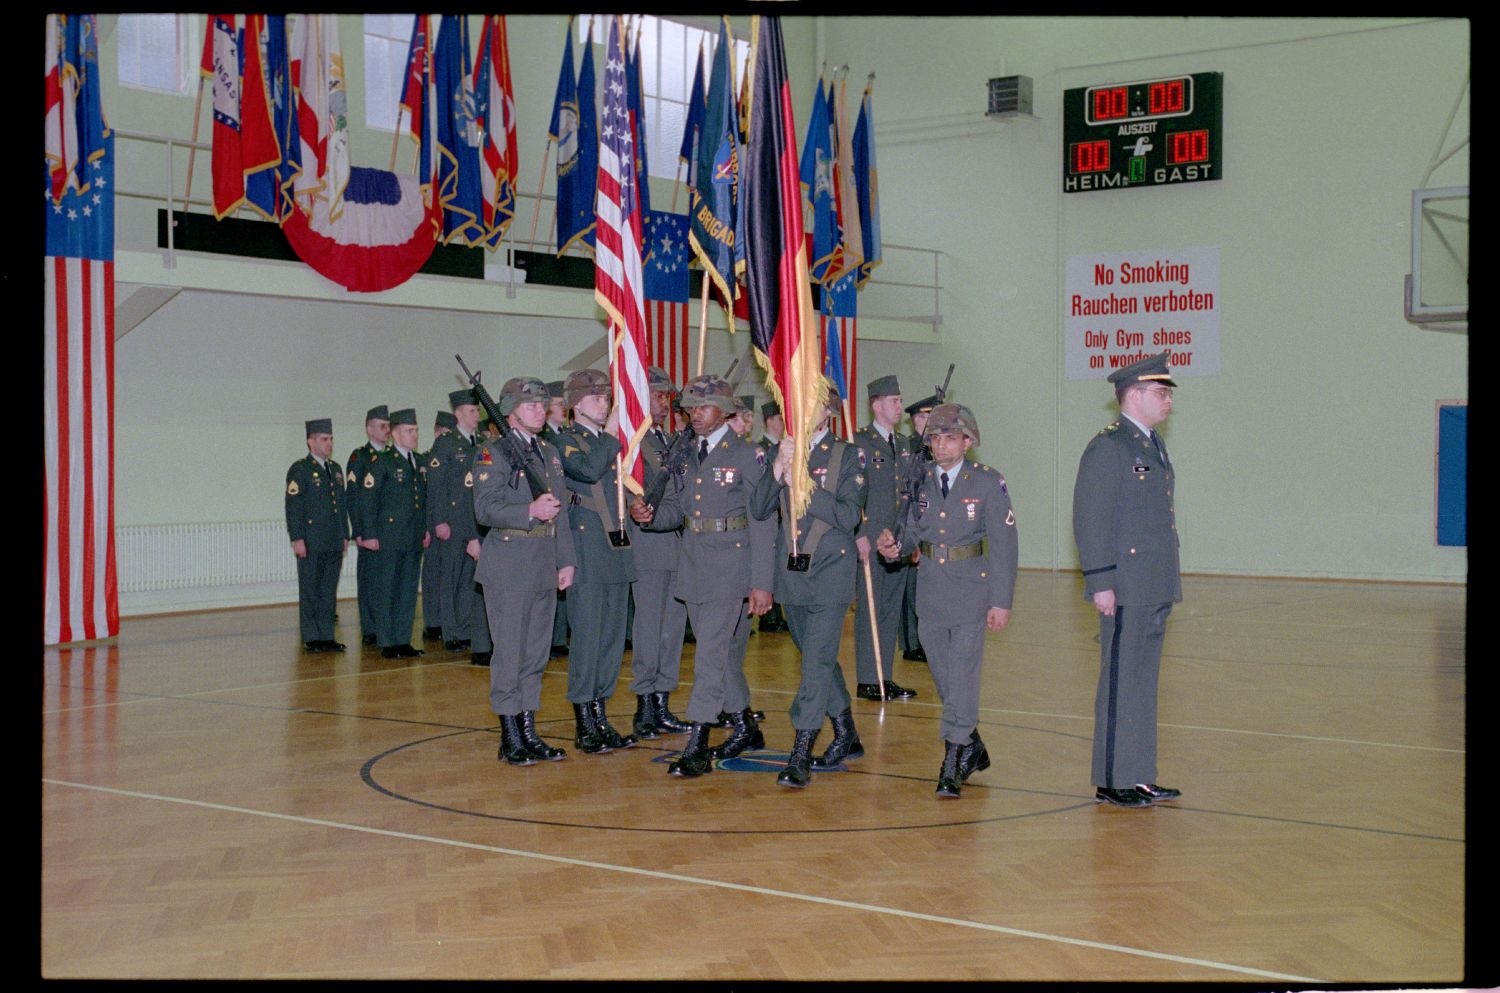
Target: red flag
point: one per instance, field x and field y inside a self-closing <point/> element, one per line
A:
<point x="618" y="282"/>
<point x="783" y="324"/>
<point x="221" y="62"/>
<point x="497" y="156"/>
<point x="259" y="148"/>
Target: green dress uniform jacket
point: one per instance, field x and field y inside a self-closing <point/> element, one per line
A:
<point x="365" y="569"/>
<point x="392" y="506"/>
<point x="317" y="514"/>
<point x="450" y="501"/>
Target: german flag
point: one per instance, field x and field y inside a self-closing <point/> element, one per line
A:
<point x="783" y="323"/>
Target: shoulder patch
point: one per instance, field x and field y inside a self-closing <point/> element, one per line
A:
<point x="436" y="462"/>
<point x="760" y="456"/>
<point x="484" y="458"/>
<point x="369" y="480"/>
<point x="861" y="451"/>
<point x="291" y="488"/>
<point x="1110" y="428"/>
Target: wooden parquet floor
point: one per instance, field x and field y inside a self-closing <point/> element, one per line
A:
<point x="218" y="804"/>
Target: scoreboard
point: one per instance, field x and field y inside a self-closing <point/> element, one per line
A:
<point x="1153" y="132"/>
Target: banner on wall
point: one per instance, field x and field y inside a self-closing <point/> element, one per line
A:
<point x="1119" y="307"/>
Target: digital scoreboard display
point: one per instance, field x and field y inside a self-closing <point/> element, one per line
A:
<point x="1153" y="132"/>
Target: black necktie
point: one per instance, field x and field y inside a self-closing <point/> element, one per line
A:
<point x="411" y="459"/>
<point x="1156" y="440"/>
<point x="703" y="451"/>
<point x="537" y="451"/>
<point x="944" y="477"/>
<point x="892" y="439"/>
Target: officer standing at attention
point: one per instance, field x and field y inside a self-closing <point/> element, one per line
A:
<point x="886" y="456"/>
<point x="317" y="521"/>
<point x="598" y="598"/>
<point x="725" y="571"/>
<point x="966" y="530"/>
<point x="378" y="433"/>
<point x="525" y="560"/>
<point x="660" y="618"/>
<point x="1126" y="530"/>
<point x="432" y="597"/>
<point x="455" y="533"/>
<point x="393" y="507"/>
<point x="816" y="599"/>
<point x="911" y="643"/>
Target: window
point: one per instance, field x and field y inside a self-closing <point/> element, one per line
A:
<point x="668" y="50"/>
<point x="387" y="37"/>
<point x="154" y="51"/>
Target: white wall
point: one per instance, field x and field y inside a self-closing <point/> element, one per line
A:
<point x="1311" y="454"/>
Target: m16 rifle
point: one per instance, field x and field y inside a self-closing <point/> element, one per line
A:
<point x="511" y="445"/>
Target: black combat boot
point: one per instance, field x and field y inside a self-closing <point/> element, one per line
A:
<point x="644" y="722"/>
<point x="845" y="743"/>
<point x="512" y="748"/>
<point x="587" y="738"/>
<point x="799" y="765"/>
<point x="744" y="734"/>
<point x="948" y="776"/>
<point x="533" y="742"/>
<point x="694" y="760"/>
<point x="666" y="721"/>
<point x="606" y="730"/>
<point x="975" y="757"/>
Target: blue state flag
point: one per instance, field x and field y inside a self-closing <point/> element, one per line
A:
<point x="575" y="128"/>
<point x="82" y="224"/>
<point x="817" y="186"/>
<point x="716" y="194"/>
<point x="666" y="271"/>
<point x="460" y="189"/>
<point x="635" y="102"/>
<point x="270" y="190"/>
<point x="867" y="184"/>
<point x="692" y="128"/>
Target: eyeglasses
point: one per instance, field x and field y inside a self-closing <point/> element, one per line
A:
<point x="1160" y="392"/>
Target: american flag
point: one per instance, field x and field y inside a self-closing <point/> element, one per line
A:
<point x="81" y="593"/>
<point x="618" y="282"/>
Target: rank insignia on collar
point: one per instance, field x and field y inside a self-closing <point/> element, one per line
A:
<point x="291" y="488"/>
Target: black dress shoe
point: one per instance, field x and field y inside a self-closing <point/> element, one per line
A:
<point x="432" y="634"/>
<point x="480" y="658"/>
<point x="871" y="691"/>
<point x="408" y="652"/>
<point x="333" y="646"/>
<point x="453" y="645"/>
<point x="312" y="647"/>
<point x="369" y="639"/>
<point x="1157" y="794"/>
<point x="390" y="652"/>
<point x="1122" y="798"/>
<point x="914" y="655"/>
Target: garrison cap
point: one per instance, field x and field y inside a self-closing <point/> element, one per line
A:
<point x="657" y="381"/>
<point x="708" y="389"/>
<point x="924" y="404"/>
<point x="744" y="404"/>
<point x="458" y="398"/>
<point x="523" y="389"/>
<point x="885" y="386"/>
<point x="1151" y="369"/>
<point x="583" y="383"/>
<point x="952" y="417"/>
<point x="770" y="409"/>
<point x="321" y="425"/>
<point x="379" y="413"/>
<point x="405" y="416"/>
<point x="555" y="389"/>
<point x="445" y="419"/>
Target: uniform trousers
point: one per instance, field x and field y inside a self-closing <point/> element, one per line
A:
<point x="596" y="612"/>
<point x="365" y="569"/>
<point x="317" y="591"/>
<point x="1125" y="705"/>
<point x="722" y="628"/>
<point x="435" y="597"/>
<point x="910" y="641"/>
<point x="890" y="587"/>
<point x="956" y="656"/>
<point x="656" y="636"/>
<point x="396" y="575"/>
<point x="460" y="604"/>
<point x="816" y="629"/>
<point x="521" y="626"/>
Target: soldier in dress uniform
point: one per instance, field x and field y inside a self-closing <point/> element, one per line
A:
<point x="886" y="455"/>
<point x="557" y="423"/>
<point x="725" y="570"/>
<point x="1126" y="528"/>
<point x="816" y="599"/>
<point x="392" y="500"/>
<point x="378" y="433"/>
<point x="317" y="521"/>
<point x="911" y="643"/>
<point x="598" y="598"/>
<point x="660" y="618"/>
<point x="772" y="425"/>
<point x="432" y="561"/>
<point x="965" y="527"/>
<point x="455" y="533"/>
<point x="525" y="559"/>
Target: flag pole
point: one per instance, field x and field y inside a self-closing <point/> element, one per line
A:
<point x="874" y="628"/>
<point x="703" y="323"/>
<point x="193" y="148"/>
<point x="541" y="182"/>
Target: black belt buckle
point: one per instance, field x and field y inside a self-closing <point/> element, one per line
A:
<point x="798" y="561"/>
<point x="620" y="538"/>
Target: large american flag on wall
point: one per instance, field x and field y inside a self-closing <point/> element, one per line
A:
<point x="618" y="281"/>
<point x="81" y="598"/>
